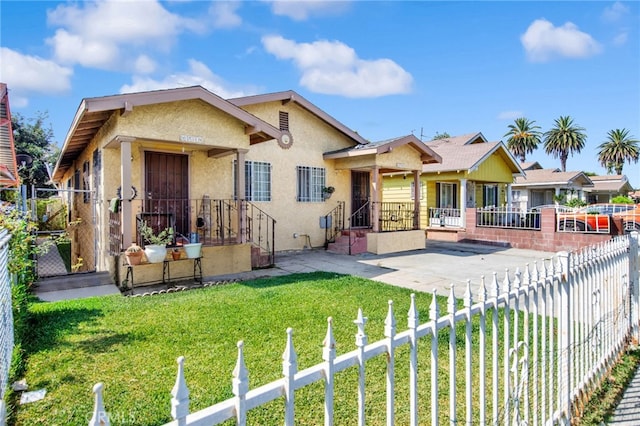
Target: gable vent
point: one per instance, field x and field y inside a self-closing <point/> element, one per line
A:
<point x="284" y="120"/>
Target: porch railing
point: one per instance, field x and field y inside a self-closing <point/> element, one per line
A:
<point x="394" y="216"/>
<point x="359" y="219"/>
<point x="333" y="223"/>
<point x="260" y="230"/>
<point x="504" y="217"/>
<point x="212" y="222"/>
<point x="444" y="217"/>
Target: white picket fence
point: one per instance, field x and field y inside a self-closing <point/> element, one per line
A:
<point x="564" y="324"/>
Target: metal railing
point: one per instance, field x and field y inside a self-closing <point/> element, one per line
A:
<point x="444" y="217"/>
<point x="394" y="216"/>
<point x="504" y="217"/>
<point x="333" y="223"/>
<point x="260" y="230"/>
<point x="584" y="222"/>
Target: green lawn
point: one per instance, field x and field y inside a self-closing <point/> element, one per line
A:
<point x="131" y="345"/>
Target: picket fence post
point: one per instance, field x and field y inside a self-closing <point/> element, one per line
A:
<point x="240" y="386"/>
<point x="634" y="284"/>
<point x="564" y="349"/>
<point x="412" y="320"/>
<point x="329" y="355"/>
<point x="434" y="313"/>
<point x="390" y="333"/>
<point x="289" y="370"/>
<point x="361" y="342"/>
<point x="100" y="416"/>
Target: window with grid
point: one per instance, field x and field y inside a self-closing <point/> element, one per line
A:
<point x="310" y="181"/>
<point x="257" y="181"/>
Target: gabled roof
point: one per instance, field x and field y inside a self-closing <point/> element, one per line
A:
<point x="531" y="165"/>
<point x="381" y="147"/>
<point x="291" y="96"/>
<point x="458" y="156"/>
<point x="552" y="177"/>
<point x="94" y="112"/>
<point x="468" y="139"/>
<point x="8" y="164"/>
<point x="611" y="183"/>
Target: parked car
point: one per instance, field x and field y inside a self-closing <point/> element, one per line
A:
<point x="597" y="218"/>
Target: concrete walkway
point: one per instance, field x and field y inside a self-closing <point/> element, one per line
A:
<point x="628" y="410"/>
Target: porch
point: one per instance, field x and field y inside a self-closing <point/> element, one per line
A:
<point x="235" y="236"/>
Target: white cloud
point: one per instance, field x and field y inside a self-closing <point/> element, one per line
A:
<point x="301" y="10"/>
<point x="27" y="75"/>
<point x="332" y="67"/>
<point x="615" y="12"/>
<point x="104" y="33"/>
<point x="224" y="14"/>
<point x="621" y="38"/>
<point x="197" y="75"/>
<point x="510" y="115"/>
<point x="543" y="41"/>
<point x="144" y="65"/>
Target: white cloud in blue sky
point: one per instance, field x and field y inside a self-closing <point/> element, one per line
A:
<point x="104" y="34"/>
<point x="224" y="14"/>
<point x="543" y="42"/>
<point x="31" y="74"/>
<point x="303" y="10"/>
<point x="198" y="74"/>
<point x="332" y="67"/>
<point x="615" y="12"/>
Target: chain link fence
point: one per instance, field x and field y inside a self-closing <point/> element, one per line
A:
<point x="6" y="319"/>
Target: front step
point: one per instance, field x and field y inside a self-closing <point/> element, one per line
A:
<point x="358" y="240"/>
<point x="259" y="259"/>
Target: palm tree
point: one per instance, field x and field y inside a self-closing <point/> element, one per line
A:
<point x="524" y="137"/>
<point x="618" y="149"/>
<point x="563" y="139"/>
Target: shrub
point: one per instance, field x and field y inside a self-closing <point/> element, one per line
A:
<point x="622" y="199"/>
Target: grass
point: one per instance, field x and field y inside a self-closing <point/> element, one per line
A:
<point x="603" y="402"/>
<point x="131" y="345"/>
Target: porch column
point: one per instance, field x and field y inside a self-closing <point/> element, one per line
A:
<point x="375" y="207"/>
<point x="463" y="203"/>
<point x="509" y="197"/>
<point x="240" y="195"/>
<point x="125" y="190"/>
<point x="416" y="199"/>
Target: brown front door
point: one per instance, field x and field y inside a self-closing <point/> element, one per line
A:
<point x="167" y="191"/>
<point x="360" y="207"/>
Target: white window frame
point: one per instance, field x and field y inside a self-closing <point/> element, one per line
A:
<point x="309" y="183"/>
<point x="412" y="189"/>
<point x="257" y="181"/>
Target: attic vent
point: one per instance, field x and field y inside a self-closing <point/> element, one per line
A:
<point x="284" y="120"/>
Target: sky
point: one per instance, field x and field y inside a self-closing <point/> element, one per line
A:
<point x="384" y="69"/>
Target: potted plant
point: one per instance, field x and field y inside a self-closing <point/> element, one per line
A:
<point x="156" y="250"/>
<point x="327" y="191"/>
<point x="133" y="253"/>
<point x="175" y="253"/>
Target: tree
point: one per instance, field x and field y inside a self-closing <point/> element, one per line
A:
<point x="32" y="138"/>
<point x="524" y="137"/>
<point x="618" y="149"/>
<point x="563" y="139"/>
<point x="438" y="135"/>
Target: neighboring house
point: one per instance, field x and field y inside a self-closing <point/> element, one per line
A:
<point x="246" y="175"/>
<point x="543" y="186"/>
<point x="607" y="187"/>
<point x="472" y="173"/>
<point x="8" y="166"/>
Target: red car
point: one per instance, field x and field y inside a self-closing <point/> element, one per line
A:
<point x="597" y="218"/>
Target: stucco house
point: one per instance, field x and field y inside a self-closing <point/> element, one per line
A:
<point x="473" y="173"/>
<point x="539" y="186"/>
<point x="245" y="176"/>
<point x="607" y="187"/>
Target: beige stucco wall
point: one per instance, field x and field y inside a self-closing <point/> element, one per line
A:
<point x="216" y="261"/>
<point x="311" y="138"/>
<point x="395" y="242"/>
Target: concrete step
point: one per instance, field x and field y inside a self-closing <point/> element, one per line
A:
<point x="341" y="245"/>
<point x="79" y="280"/>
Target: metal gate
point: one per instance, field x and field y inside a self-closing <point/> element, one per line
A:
<point x="67" y="230"/>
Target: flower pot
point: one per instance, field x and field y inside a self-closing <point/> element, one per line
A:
<point x="176" y="255"/>
<point x="134" y="258"/>
<point x="193" y="250"/>
<point x="155" y="253"/>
